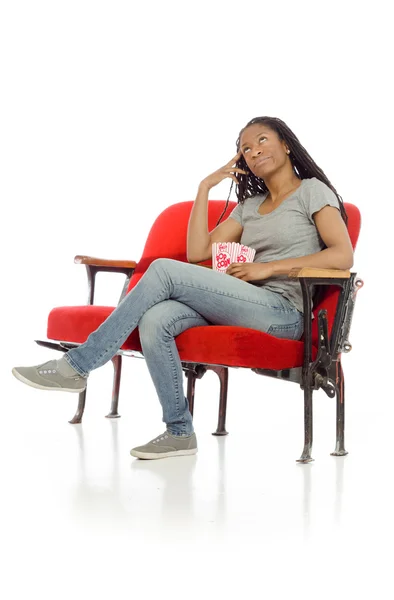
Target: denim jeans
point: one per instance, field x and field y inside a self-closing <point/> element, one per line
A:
<point x="173" y="296"/>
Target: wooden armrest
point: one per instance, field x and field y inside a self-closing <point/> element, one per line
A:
<point x="103" y="262"/>
<point x="321" y="273"/>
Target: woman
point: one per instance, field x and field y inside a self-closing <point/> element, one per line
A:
<point x="288" y="212"/>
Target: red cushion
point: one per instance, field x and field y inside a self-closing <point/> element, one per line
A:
<point x="211" y="344"/>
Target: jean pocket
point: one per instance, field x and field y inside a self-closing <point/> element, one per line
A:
<point x="293" y="331"/>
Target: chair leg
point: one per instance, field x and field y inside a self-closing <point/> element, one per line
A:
<point x="340" y="389"/>
<point x="308" y="422"/>
<point x="191" y="386"/>
<point x="117" y="364"/>
<point x="222" y="373"/>
<point x="77" y="418"/>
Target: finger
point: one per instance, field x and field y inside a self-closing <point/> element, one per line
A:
<point x="236" y="157"/>
<point x="236" y="273"/>
<point x="234" y="170"/>
<point x="232" y="177"/>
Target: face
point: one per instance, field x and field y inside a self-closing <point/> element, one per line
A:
<point x="262" y="150"/>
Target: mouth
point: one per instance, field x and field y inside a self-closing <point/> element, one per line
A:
<point x="261" y="161"/>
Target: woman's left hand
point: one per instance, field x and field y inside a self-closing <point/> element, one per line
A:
<point x="250" y="271"/>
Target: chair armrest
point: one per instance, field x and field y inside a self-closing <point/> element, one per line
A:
<point x="103" y="262"/>
<point x="319" y="273"/>
<point x="331" y="346"/>
<point x="94" y="265"/>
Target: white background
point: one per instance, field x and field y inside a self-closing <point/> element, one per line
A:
<point x="112" y="110"/>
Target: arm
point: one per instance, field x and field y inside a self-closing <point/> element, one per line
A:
<point x="199" y="239"/>
<point x="339" y="251"/>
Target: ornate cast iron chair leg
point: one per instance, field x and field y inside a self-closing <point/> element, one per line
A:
<point x="191" y="386"/>
<point x="340" y="393"/>
<point x="77" y="418"/>
<point x="307" y="375"/>
<point x="117" y="364"/>
<point x="222" y="373"/>
<point x="308" y="423"/>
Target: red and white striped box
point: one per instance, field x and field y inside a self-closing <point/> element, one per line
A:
<point x="221" y="256"/>
<point x="243" y="253"/>
<point x="225" y="253"/>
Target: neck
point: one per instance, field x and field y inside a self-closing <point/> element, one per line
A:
<point x="281" y="183"/>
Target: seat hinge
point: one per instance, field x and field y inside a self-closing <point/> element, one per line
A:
<point x="321" y="365"/>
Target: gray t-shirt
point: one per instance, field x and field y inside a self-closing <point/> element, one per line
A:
<point x="289" y="231"/>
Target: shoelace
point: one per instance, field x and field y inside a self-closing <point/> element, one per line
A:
<point x="51" y="371"/>
<point x="161" y="437"/>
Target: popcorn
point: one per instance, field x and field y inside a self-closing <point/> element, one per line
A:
<point x="225" y="253"/>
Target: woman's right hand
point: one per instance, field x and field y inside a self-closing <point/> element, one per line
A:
<point x="226" y="171"/>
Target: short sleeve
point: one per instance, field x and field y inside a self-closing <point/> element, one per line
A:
<point x="236" y="214"/>
<point x="317" y="196"/>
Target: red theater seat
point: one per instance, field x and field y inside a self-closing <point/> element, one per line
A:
<point x="313" y="362"/>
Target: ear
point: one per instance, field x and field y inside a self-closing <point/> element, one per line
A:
<point x="285" y="147"/>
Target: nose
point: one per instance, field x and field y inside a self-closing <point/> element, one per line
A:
<point x="256" y="152"/>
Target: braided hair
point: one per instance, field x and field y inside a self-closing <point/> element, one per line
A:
<point x="303" y="165"/>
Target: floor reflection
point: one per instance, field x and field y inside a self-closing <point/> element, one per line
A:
<point x="168" y="493"/>
<point x="309" y="502"/>
<point x="98" y="498"/>
<point x="186" y="496"/>
<point x="339" y="491"/>
<point x="182" y="506"/>
<point x="306" y="497"/>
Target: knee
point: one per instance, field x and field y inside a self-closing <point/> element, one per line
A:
<point x="166" y="267"/>
<point x="152" y="323"/>
<point x="162" y="263"/>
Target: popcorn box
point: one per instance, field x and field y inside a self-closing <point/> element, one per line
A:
<point x="221" y="256"/>
<point x="225" y="253"/>
<point x="243" y="253"/>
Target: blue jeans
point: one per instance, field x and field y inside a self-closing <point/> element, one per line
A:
<point x="173" y="296"/>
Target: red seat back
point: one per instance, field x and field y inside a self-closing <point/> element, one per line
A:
<point x="168" y="234"/>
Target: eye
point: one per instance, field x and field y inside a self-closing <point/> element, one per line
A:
<point x="260" y="138"/>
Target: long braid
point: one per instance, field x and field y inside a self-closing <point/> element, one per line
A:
<point x="304" y="166"/>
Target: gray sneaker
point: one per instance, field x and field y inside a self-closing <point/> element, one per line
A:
<point x="167" y="445"/>
<point x="48" y="377"/>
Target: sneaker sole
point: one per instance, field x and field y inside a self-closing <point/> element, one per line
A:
<point x="155" y="455"/>
<point x="43" y="387"/>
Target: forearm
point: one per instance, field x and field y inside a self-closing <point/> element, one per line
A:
<point x="330" y="258"/>
<point x="198" y="238"/>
